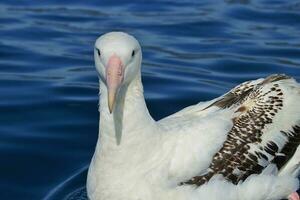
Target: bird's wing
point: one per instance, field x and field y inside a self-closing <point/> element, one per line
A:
<point x="265" y="116"/>
<point x="233" y="98"/>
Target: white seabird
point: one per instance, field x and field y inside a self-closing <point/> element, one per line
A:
<point x="240" y="146"/>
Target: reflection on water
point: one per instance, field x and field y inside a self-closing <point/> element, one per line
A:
<point x="193" y="51"/>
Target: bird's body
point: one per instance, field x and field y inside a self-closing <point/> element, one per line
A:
<point x="202" y="152"/>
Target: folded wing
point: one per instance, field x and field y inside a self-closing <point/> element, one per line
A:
<point x="266" y="129"/>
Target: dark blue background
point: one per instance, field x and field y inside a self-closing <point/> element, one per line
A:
<point x="193" y="51"/>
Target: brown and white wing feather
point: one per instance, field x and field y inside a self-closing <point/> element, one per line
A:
<point x="266" y="129"/>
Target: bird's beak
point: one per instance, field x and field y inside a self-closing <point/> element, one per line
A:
<point x="114" y="79"/>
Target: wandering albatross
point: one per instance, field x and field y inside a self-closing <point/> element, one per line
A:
<point x="240" y="146"/>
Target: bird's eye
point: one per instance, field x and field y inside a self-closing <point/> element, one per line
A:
<point x="133" y="53"/>
<point x="99" y="53"/>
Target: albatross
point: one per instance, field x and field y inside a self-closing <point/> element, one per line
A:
<point x="240" y="146"/>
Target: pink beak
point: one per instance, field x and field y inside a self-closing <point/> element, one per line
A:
<point x="114" y="79"/>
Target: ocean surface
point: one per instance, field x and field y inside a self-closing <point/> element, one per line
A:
<point x="193" y="51"/>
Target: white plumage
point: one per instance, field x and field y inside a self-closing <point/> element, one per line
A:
<point x="138" y="158"/>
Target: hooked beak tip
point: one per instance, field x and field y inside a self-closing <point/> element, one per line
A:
<point x="110" y="108"/>
<point x="111" y="99"/>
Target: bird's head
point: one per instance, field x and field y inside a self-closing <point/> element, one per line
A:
<point x="118" y="59"/>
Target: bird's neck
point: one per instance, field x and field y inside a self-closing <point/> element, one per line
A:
<point x="121" y="127"/>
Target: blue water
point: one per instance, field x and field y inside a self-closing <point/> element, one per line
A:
<point x="193" y="51"/>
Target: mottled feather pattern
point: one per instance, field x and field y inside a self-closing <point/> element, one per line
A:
<point x="289" y="149"/>
<point x="247" y="150"/>
<point x="235" y="96"/>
